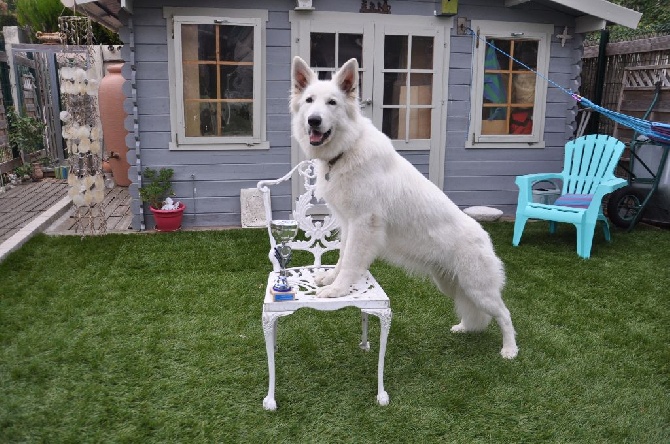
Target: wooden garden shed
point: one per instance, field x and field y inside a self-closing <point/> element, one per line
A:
<point x="208" y="81"/>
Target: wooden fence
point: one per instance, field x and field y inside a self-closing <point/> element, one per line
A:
<point x="622" y="58"/>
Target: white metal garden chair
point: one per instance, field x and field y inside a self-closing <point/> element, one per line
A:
<point x="319" y="235"/>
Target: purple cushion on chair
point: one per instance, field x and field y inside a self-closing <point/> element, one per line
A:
<point x="574" y="200"/>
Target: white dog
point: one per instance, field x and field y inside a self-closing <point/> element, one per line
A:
<point x="388" y="209"/>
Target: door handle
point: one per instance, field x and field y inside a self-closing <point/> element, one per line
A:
<point x="366" y="102"/>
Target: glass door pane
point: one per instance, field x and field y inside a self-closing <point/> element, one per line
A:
<point x="330" y="50"/>
<point x="408" y="86"/>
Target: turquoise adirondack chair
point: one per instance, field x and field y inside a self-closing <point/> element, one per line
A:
<point x="587" y="176"/>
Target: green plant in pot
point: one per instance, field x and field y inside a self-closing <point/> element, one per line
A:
<point x="157" y="191"/>
<point x="25" y="133"/>
<point x="26" y="136"/>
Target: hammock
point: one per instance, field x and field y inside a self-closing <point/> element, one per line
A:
<point x="656" y="131"/>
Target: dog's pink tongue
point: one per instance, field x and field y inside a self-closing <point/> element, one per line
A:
<point x="315" y="136"/>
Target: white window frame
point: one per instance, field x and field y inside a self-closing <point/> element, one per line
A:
<point x="494" y="29"/>
<point x="175" y="18"/>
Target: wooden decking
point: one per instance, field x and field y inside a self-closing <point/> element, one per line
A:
<point x="117" y="216"/>
<point x="23" y="203"/>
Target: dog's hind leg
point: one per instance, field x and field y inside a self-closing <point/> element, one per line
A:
<point x="476" y="308"/>
<point x="490" y="303"/>
<point x="472" y="319"/>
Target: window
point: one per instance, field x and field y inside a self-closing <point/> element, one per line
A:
<point x="508" y="103"/>
<point x="217" y="74"/>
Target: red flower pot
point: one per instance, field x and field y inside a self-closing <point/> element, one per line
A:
<point x="168" y="220"/>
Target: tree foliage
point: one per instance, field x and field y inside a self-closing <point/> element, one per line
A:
<point x="42" y="15"/>
<point x="654" y="12"/>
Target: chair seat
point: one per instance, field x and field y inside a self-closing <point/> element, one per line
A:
<point x="574" y="200"/>
<point x="366" y="293"/>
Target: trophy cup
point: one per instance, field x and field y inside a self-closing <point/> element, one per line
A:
<point x="283" y="231"/>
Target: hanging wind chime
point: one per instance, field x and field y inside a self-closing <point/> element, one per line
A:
<point x="81" y="124"/>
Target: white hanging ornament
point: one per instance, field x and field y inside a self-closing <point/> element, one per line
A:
<point x="98" y="195"/>
<point x="96" y="132"/>
<point x="78" y="200"/>
<point x="99" y="182"/>
<point x="95" y="147"/>
<point x="84" y="145"/>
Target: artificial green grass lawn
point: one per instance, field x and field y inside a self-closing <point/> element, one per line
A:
<point x="158" y="338"/>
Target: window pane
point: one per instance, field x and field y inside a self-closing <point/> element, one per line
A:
<point x="390" y="122"/>
<point x="199" y="81"/>
<point x="236" y="119"/>
<point x="419" y="124"/>
<point x="236" y="43"/>
<point x="237" y="82"/>
<point x="198" y="42"/>
<point x="395" y="52"/>
<point x="496" y="59"/>
<point x="421" y="90"/>
<point x="523" y="89"/>
<point x="351" y="47"/>
<point x="394" y="86"/>
<point x="422" y="52"/>
<point x="322" y="50"/>
<point x="521" y="121"/>
<point x="525" y="51"/>
<point x="200" y="119"/>
<point x="494" y="120"/>
<point x="495" y="88"/>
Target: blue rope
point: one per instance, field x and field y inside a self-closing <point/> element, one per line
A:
<point x="656" y="131"/>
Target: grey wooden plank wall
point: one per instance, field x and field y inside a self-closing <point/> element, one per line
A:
<point x="209" y="182"/>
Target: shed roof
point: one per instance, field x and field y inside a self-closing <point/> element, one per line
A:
<point x="591" y="15"/>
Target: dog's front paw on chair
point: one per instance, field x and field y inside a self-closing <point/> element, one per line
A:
<point x="331" y="291"/>
<point x="325" y="277"/>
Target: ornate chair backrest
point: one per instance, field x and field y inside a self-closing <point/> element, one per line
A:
<point x="590" y="160"/>
<point x="318" y="233"/>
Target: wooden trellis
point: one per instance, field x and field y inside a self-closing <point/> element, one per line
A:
<point x="640" y="53"/>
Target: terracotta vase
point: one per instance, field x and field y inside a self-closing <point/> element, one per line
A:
<point x="112" y="117"/>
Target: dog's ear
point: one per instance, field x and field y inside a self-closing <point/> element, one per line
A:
<point x="301" y="75"/>
<point x="347" y="78"/>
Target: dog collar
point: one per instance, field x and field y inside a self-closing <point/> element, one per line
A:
<point x="332" y="162"/>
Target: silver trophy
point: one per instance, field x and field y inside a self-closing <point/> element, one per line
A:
<point x="283" y="231"/>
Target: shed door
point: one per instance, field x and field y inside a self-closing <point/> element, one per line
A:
<point x="402" y="70"/>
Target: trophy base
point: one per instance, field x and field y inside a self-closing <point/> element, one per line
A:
<point x="286" y="295"/>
